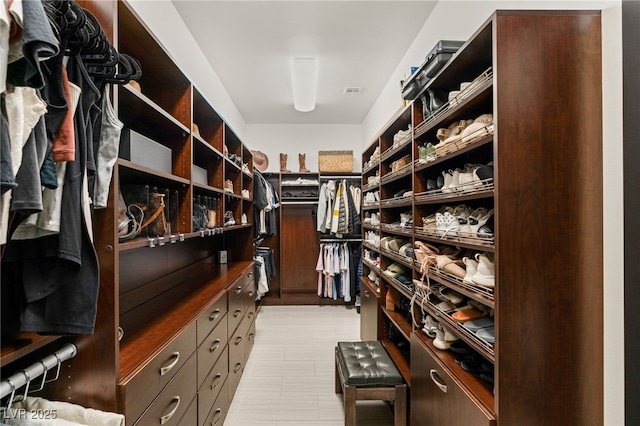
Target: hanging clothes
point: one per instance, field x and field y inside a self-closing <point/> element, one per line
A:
<point x="337" y="268"/>
<point x="265" y="203"/>
<point x="265" y="269"/>
<point x="52" y="105"/>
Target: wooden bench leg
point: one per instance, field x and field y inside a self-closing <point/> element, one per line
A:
<point x="400" y="406"/>
<point x="349" y="405"/>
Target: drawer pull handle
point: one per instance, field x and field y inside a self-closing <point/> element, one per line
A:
<point x="238" y="289"/>
<point x="367" y="294"/>
<point x="238" y="340"/>
<point x="164" y="370"/>
<point x="238" y="367"/>
<point x="251" y="336"/>
<point x="436" y="380"/>
<point x="236" y="313"/>
<point x="250" y="274"/>
<point x="215" y="314"/>
<point x="217" y="417"/>
<point x="170" y="414"/>
<point x="251" y="314"/>
<point x="214" y="383"/>
<point x="216" y="345"/>
<point x="251" y="293"/>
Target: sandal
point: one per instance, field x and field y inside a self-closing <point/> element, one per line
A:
<point x="449" y="266"/>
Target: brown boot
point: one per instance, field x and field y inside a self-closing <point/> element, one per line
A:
<point x="301" y="159"/>
<point x="283" y="164"/>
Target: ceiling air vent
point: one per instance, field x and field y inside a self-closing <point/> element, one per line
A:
<point x="352" y="90"/>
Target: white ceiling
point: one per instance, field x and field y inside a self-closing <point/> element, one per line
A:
<point x="357" y="43"/>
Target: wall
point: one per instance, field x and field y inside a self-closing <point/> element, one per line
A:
<point x="164" y="21"/>
<point x="272" y="139"/>
<point x="457" y="20"/>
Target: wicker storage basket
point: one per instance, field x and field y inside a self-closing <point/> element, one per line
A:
<point x="335" y="161"/>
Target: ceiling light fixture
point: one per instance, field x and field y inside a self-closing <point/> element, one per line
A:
<point x="304" y="77"/>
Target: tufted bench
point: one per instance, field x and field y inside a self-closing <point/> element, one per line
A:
<point x="364" y="371"/>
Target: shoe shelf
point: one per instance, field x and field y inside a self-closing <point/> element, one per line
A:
<point x="371" y="227"/>
<point x="399" y="359"/>
<point x="405" y="290"/>
<point x="470" y="242"/>
<point x="397" y="202"/>
<point x="484" y="295"/>
<point x="371" y="167"/>
<point x="484" y="348"/>
<point x="372" y="206"/>
<point x="397" y="257"/>
<point x="396" y="230"/>
<point x="372" y="266"/>
<point x="369" y="187"/>
<point x="397" y="150"/>
<point x="399" y="320"/>
<point x="422" y="164"/>
<point x="438" y="197"/>
<point x="398" y="174"/>
<point x="370" y="246"/>
<point x="479" y="390"/>
<point x="473" y="101"/>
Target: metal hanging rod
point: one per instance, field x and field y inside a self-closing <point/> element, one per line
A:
<point x="340" y="240"/>
<point x="25" y="377"/>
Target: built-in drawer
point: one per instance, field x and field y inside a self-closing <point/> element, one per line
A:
<point x="236" y="289"/>
<point x="436" y="397"/>
<point x="238" y="303"/>
<point x="138" y="391"/>
<point x="211" y="317"/>
<point x="251" y="335"/>
<point x="172" y="403"/>
<point x="237" y="353"/>
<point x="211" y="349"/>
<point x="220" y="408"/>
<point x="213" y="384"/>
<point x="191" y="414"/>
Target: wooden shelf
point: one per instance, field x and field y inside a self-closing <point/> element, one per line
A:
<point x="22" y="345"/>
<point x="399" y="360"/>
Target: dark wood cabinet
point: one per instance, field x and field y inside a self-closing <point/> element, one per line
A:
<point x="369" y="309"/>
<point x="538" y="73"/>
<point x="436" y="396"/>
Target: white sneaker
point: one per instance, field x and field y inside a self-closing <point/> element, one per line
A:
<point x="375" y="219"/>
<point x="476" y="222"/>
<point x="485" y="274"/>
<point x="471" y="269"/>
<point x="369" y="198"/>
<point x="244" y="219"/>
<point x="448" y="179"/>
<point x="245" y="194"/>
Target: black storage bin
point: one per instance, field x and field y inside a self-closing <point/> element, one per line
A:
<point x="435" y="60"/>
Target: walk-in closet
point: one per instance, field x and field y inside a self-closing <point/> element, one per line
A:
<point x="318" y="212"/>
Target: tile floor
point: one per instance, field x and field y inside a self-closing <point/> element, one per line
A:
<point x="289" y="378"/>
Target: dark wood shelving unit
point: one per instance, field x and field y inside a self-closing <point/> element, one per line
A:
<point x="516" y="82"/>
<point x="166" y="293"/>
